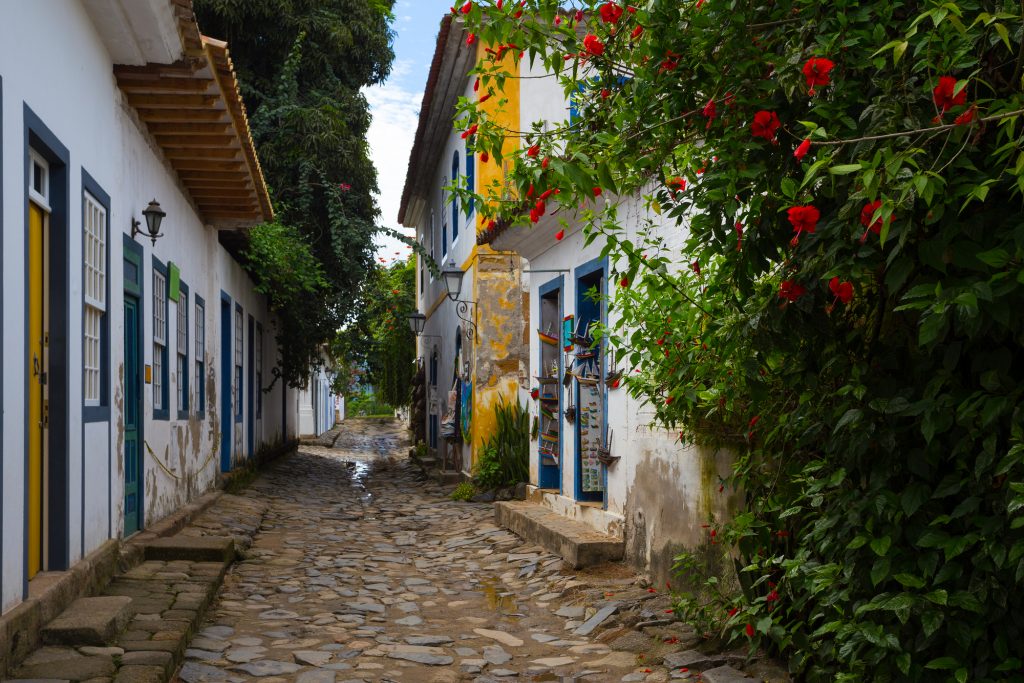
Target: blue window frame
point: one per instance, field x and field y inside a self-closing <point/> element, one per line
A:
<point x="96" y="300"/>
<point x="454" y="198"/>
<point x="182" y="351"/>
<point x="238" y="395"/>
<point x="259" y="370"/>
<point x="161" y="373"/>
<point x="470" y="180"/>
<point x="200" y="354"/>
<point x="444" y="227"/>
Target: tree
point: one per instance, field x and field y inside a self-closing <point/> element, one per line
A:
<point x="301" y="64"/>
<point x="844" y="312"/>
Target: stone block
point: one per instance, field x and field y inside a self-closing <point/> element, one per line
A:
<point x="141" y="674"/>
<point x="575" y="542"/>
<point x="191" y="548"/>
<point x="90" y="621"/>
<point x="725" y="674"/>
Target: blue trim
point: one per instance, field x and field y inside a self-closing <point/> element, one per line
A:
<point x="454" y="198"/>
<point x="259" y="372"/>
<point x="3" y="387"/>
<point x="163" y="413"/>
<point x="132" y="251"/>
<point x="584" y="270"/>
<point x="183" y="377"/>
<point x="238" y="369"/>
<point x="40" y="138"/>
<point x="227" y="371"/>
<point x="555" y="285"/>
<point x="201" y="389"/>
<point x="100" y="413"/>
<point x="251" y="412"/>
<point x="470" y="180"/>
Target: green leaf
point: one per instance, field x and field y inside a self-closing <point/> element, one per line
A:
<point x="1004" y="34"/>
<point x="997" y="258"/>
<point x="844" y="169"/>
<point x="880" y="571"/>
<point x="942" y="663"/>
<point x="909" y="580"/>
<point x="851" y="416"/>
<point x="881" y="545"/>
<point x="961" y="675"/>
<point x="939" y="597"/>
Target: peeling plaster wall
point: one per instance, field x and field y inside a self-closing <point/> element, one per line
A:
<point x="79" y="102"/>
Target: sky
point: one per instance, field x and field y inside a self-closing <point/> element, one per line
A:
<point x="395" y="108"/>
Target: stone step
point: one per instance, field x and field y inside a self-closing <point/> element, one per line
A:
<point x="90" y="621"/>
<point x="191" y="548"/>
<point x="575" y="542"/>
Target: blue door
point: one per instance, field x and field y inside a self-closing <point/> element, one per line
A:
<point x="132" y="414"/>
<point x="226" y="376"/>
<point x="251" y="412"/>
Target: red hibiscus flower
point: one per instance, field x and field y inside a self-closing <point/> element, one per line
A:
<point x="943" y="94"/>
<point x="546" y="193"/>
<point x="467" y="8"/>
<point x="484" y="156"/>
<point x="559" y="235"/>
<point x="765" y="124"/>
<point x="733" y="611"/>
<point x="802" y="149"/>
<point x="597" y="191"/>
<point x="791" y="291"/>
<point x="750" y="631"/>
<point x="803" y="218"/>
<point x="637" y="32"/>
<point x="470" y="131"/>
<point x="966" y="117"/>
<point x="709" y="110"/>
<point x="470" y="39"/>
<point x="624" y="282"/>
<point x="842" y="290"/>
<point x="485" y="98"/>
<point x="610" y="13"/>
<point x="865" y="219"/>
<point x="739" y="236"/>
<point x="816" y="72"/>
<point x="533" y="151"/>
<point x="593" y="45"/>
<point x="544" y="164"/>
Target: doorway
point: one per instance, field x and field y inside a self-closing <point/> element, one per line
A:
<point x="591" y="406"/>
<point x="133" y="388"/>
<point x="226" y="377"/>
<point x="38" y="391"/>
<point x="549" y="377"/>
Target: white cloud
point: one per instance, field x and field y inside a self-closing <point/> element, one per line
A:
<point x="395" y="113"/>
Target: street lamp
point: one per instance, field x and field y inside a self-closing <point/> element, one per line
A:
<point x="154" y="215"/>
<point x="417" y="321"/>
<point x="452" y="276"/>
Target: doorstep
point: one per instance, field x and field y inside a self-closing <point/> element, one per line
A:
<point x="575" y="542"/>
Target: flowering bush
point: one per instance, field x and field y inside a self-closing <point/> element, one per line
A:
<point x="850" y="324"/>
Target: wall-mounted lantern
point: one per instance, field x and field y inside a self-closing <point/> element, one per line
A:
<point x="154" y="216"/>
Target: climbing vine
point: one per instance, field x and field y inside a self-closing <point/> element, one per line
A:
<point x="843" y="311"/>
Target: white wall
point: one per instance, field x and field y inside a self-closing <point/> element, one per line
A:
<point x="72" y="89"/>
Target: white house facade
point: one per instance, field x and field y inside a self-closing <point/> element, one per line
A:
<point x="132" y="371"/>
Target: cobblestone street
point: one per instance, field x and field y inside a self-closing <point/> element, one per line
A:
<point x="361" y="571"/>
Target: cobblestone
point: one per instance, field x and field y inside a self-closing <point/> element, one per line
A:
<point x="359" y="571"/>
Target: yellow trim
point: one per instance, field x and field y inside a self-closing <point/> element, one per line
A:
<point x="502" y="109"/>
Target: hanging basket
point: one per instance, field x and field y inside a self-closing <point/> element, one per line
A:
<point x="570" y="414"/>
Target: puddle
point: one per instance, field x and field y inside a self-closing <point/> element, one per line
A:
<point x="360" y="470"/>
<point x="497" y="599"/>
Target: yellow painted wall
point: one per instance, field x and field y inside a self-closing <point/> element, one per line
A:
<point x="502" y="108"/>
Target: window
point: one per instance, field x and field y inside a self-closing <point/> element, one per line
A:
<point x="39" y="181"/>
<point x="94" y="292"/>
<point x="444" y="226"/>
<point x="182" y="352"/>
<point x="236" y="390"/>
<point x="200" y="353"/>
<point x="161" y="409"/>
<point x="432" y="238"/>
<point x="455" y="197"/>
<point x="258" y="344"/>
<point x="470" y="181"/>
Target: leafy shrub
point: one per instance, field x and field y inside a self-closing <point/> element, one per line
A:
<point x="506" y="455"/>
<point x="464" y="491"/>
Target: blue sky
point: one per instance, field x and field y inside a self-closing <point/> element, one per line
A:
<point x="395" y="108"/>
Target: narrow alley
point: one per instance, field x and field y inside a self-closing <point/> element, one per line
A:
<point x="361" y="571"/>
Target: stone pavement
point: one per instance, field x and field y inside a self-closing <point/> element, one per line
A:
<point x="361" y="571"/>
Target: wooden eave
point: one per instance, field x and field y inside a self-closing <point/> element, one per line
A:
<point x="194" y="111"/>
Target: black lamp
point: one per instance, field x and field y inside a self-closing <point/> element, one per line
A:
<point x="452" y="280"/>
<point x="416" y="322"/>
<point x="154" y="215"/>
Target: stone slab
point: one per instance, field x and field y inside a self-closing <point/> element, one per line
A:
<point x="191" y="548"/>
<point x="725" y="674"/>
<point x="90" y="621"/>
<point x="587" y="627"/>
<point x="575" y="542"/>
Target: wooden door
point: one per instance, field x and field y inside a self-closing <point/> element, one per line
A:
<point x="132" y="418"/>
<point x="38" y="417"/>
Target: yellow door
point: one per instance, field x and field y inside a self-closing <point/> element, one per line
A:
<point x="37" y="223"/>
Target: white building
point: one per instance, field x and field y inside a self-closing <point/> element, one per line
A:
<point x="319" y="407"/>
<point x="658" y="493"/>
<point x="132" y="371"/>
<point x="473" y="346"/>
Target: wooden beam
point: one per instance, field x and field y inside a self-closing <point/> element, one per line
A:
<point x="203" y="175"/>
<point x="204" y="102"/>
<point x="212" y="153"/>
<point x="196" y="141"/>
<point x="179" y="68"/>
<point x="237" y="167"/>
<point x="219" y="185"/>
<point x="166" y="86"/>
<point x="183" y="115"/>
<point x="192" y="130"/>
<point x="202" y="194"/>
